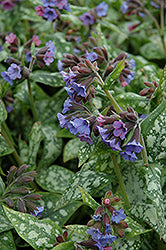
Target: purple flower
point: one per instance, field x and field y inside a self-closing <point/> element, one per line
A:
<point x="108" y="228"/>
<point x="14" y="71"/>
<point x="76" y="51"/>
<point x="92" y="56"/>
<point x="67" y="7"/>
<point x="9" y="108"/>
<point x="49" y="14"/>
<point x="81" y="125"/>
<point x="118" y="215"/>
<point x="131" y="63"/>
<point x="61" y="3"/>
<point x="67" y="105"/>
<point x="51" y="47"/>
<point x="48" y="3"/>
<point x="124" y="7"/>
<point x="87" y="19"/>
<point x="128" y="155"/>
<point x="60" y="65"/>
<point x="63" y="121"/>
<point x="28" y="56"/>
<point x="76" y="90"/>
<point x="102" y="9"/>
<point x="97" y="217"/>
<point x="39" y="10"/>
<point x="68" y="77"/>
<point x="119" y="129"/>
<point x="86" y="138"/>
<point x="141" y="14"/>
<point x="6" y="77"/>
<point x="7" y="5"/>
<point x="48" y="58"/>
<point x="114" y="144"/>
<point x="1" y="48"/>
<point x="133" y="146"/>
<point x="154" y="5"/>
<point x="39" y="212"/>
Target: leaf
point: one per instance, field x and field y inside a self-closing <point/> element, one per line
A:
<point x="134" y="228"/>
<point x="5" y="224"/>
<point x="54" y="178"/>
<point x="4" y="148"/>
<point x="114" y="74"/>
<point x="3" y="112"/>
<point x="154" y="192"/>
<point x="151" y="51"/>
<point x="51" y="79"/>
<point x="71" y="149"/>
<point x="88" y="200"/>
<point x="7" y="241"/>
<point x="154" y="133"/>
<point x="80" y="229"/>
<point x="40" y="234"/>
<point x="137" y="102"/>
<point x="60" y="216"/>
<point x="52" y="146"/>
<point x="128" y="243"/>
<point x="2" y="186"/>
<point x="65" y="245"/>
<point x="65" y="133"/>
<point x="113" y="27"/>
<point x="23" y="150"/>
<point x="35" y="138"/>
<point x="89" y="180"/>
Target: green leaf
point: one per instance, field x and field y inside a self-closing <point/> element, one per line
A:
<point x="114" y="74"/>
<point x="7" y="241"/>
<point x="51" y="79"/>
<point x="137" y="102"/>
<point x="89" y="180"/>
<point x="4" y="148"/>
<point x="2" y="186"/>
<point x="154" y="133"/>
<point x="65" y="245"/>
<point x="3" y="112"/>
<point x="88" y="200"/>
<point x="54" y="178"/>
<point x="23" y="151"/>
<point x="154" y="192"/>
<point x="65" y="133"/>
<point x="134" y="228"/>
<point x="113" y="27"/>
<point x="128" y="243"/>
<point x="5" y="224"/>
<point x="60" y="216"/>
<point x="152" y="51"/>
<point x="71" y="149"/>
<point x="79" y="229"/>
<point x="40" y="234"/>
<point x="35" y="138"/>
<point x="52" y="146"/>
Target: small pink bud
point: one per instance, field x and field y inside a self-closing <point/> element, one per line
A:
<point x="106" y="202"/>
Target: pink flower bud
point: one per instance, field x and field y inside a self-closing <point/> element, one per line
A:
<point x="106" y="202"/>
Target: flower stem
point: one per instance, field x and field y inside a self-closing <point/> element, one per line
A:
<point x="121" y="183"/>
<point x="32" y="101"/>
<point x="15" y="154"/>
<point x="144" y="153"/>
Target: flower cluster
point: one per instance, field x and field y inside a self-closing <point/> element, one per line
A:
<point x="105" y="222"/>
<point x="13" y="42"/>
<point x="8" y="4"/>
<point x="46" y="54"/>
<point x="49" y="11"/>
<point x="133" y="7"/>
<point x="116" y="129"/>
<point x="17" y="181"/>
<point x="90" y="17"/>
<point x="27" y="47"/>
<point x="151" y="87"/>
<point x="13" y="73"/>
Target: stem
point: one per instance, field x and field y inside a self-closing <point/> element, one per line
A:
<point x="32" y="101"/>
<point x="111" y="98"/>
<point x="121" y="183"/>
<point x="143" y="151"/>
<point x="162" y="16"/>
<point x="15" y="154"/>
<point x="8" y="132"/>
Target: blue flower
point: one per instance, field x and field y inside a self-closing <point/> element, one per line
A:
<point x="38" y="212"/>
<point x="48" y="3"/>
<point x="6" y="77"/>
<point x="62" y="120"/>
<point x="119" y="129"/>
<point x="124" y="7"/>
<point x="87" y="19"/>
<point x="12" y="73"/>
<point x="28" y="56"/>
<point x="49" y="14"/>
<point x="97" y="217"/>
<point x="92" y="56"/>
<point x="133" y="146"/>
<point x="118" y="215"/>
<point x="68" y="77"/>
<point x="128" y="155"/>
<point x="102" y="9"/>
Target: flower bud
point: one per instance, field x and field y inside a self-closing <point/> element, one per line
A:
<point x="9" y="202"/>
<point x="21" y="206"/>
<point x="91" y="223"/>
<point x="11" y="173"/>
<point x="130" y="109"/>
<point x="21" y="170"/>
<point x="59" y="239"/>
<point x="123" y="224"/>
<point x="131" y="117"/>
<point x="11" y="60"/>
<point x="119" y="231"/>
<point x="19" y="190"/>
<point x="109" y="194"/>
<point x="33" y="197"/>
<point x="115" y="200"/>
<point x="24" y="179"/>
<point x="30" y="174"/>
<point x="111" y="209"/>
<point x="65" y="234"/>
<point x="30" y="205"/>
<point x="106" y="219"/>
<point x="106" y="201"/>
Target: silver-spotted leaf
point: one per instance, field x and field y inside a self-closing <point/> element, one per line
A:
<point x="51" y="79"/>
<point x="40" y="234"/>
<point x="88" y="200"/>
<point x="71" y="149"/>
<point x="7" y="241"/>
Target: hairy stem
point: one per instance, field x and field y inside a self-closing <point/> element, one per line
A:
<point x="121" y="183"/>
<point x="32" y="101"/>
